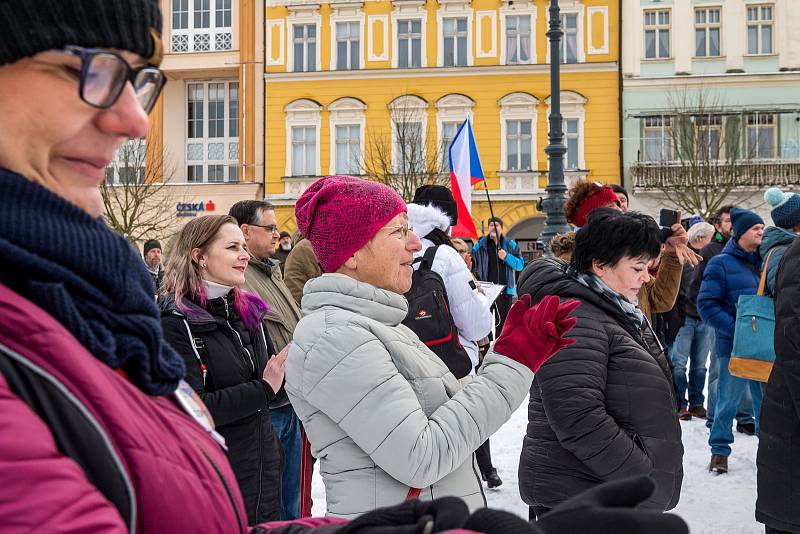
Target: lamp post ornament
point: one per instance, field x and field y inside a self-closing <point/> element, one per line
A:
<point x="553" y="203"/>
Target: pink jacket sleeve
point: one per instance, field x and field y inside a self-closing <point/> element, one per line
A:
<point x="42" y="490"/>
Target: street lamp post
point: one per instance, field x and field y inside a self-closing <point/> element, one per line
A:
<point x="553" y="203"/>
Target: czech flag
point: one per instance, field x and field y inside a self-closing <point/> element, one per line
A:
<point x="465" y="171"/>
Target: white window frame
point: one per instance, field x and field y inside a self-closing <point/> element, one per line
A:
<point x="455" y="9"/>
<point x="518" y="106"/>
<point x="417" y="109"/>
<point x="346" y="13"/>
<point x="702" y="128"/>
<point x="411" y="48"/>
<point x="456" y="38"/>
<point x="772" y="124"/>
<point x="197" y="40"/>
<point x="663" y="125"/>
<point x="302" y="112"/>
<point x="113" y="175"/>
<point x="346" y="111"/>
<point x="571" y="7"/>
<point x="409" y="10"/>
<point x="760" y="24"/>
<point x="231" y="144"/>
<point x="658" y="28"/>
<point x="706" y="27"/>
<point x="531" y="14"/>
<point x="450" y="108"/>
<point x="573" y="106"/>
<point x="517" y="9"/>
<point x="303" y="15"/>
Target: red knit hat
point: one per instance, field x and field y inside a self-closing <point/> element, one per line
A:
<point x="340" y="214"/>
<point x="602" y="197"/>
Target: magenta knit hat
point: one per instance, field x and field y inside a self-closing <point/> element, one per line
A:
<point x="340" y="214"/>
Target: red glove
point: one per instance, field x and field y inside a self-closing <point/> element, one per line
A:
<point x="532" y="335"/>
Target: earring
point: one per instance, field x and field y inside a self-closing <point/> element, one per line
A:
<point x="203" y="265"/>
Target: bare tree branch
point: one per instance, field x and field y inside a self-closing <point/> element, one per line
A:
<point x="138" y="203"/>
<point x="405" y="156"/>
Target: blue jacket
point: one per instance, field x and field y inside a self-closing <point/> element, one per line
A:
<point x="778" y="239"/>
<point x="734" y="272"/>
<point x="513" y="261"/>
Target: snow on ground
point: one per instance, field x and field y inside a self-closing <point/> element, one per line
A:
<point x="710" y="504"/>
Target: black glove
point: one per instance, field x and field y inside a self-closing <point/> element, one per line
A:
<point x="491" y="521"/>
<point x="411" y="517"/>
<point x="610" y="508"/>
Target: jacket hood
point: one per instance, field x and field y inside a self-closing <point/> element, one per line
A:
<point x="334" y="290"/>
<point x="427" y="218"/>
<point x="774" y="237"/>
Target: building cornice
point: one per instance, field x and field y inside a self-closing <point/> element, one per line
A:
<point x="436" y="72"/>
<point x="713" y="80"/>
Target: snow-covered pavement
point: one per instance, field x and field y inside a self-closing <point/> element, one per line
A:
<point x="711" y="504"/>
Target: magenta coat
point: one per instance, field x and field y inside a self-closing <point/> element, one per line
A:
<point x="179" y="475"/>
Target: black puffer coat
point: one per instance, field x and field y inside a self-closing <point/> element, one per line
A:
<point x="778" y="504"/>
<point x="237" y="398"/>
<point x="602" y="408"/>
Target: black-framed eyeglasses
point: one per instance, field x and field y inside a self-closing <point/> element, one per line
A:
<point x="272" y="228"/>
<point x="104" y="74"/>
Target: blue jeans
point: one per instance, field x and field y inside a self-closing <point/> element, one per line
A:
<point x="287" y="428"/>
<point x="730" y="390"/>
<point x="745" y="412"/>
<point x="691" y="345"/>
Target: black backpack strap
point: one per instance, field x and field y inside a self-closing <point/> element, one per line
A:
<point x="426" y="262"/>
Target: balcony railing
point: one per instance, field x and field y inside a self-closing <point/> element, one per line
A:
<point x="205" y="40"/>
<point x="749" y="173"/>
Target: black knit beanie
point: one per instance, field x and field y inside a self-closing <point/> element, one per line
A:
<point x="28" y="27"/>
<point x="439" y="196"/>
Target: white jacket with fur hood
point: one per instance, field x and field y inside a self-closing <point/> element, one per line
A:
<point x="382" y="412"/>
<point x="471" y="315"/>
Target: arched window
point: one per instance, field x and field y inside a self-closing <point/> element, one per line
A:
<point x="409" y="116"/>
<point x="518" y="116"/>
<point x="574" y="113"/>
<point x="451" y="110"/>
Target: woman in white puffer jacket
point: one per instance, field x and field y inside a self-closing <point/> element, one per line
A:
<point x="431" y="216"/>
<point x="384" y="416"/>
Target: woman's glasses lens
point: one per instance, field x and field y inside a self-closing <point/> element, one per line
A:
<point x="104" y="78"/>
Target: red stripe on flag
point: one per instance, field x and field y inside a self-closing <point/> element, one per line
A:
<point x="465" y="227"/>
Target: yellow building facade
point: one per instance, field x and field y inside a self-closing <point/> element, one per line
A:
<point x="340" y="74"/>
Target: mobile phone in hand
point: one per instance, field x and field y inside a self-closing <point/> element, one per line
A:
<point x="667" y="217"/>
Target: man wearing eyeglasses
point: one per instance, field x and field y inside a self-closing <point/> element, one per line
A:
<point x="263" y="277"/>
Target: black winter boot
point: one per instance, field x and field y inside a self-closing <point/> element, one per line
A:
<point x="492" y="479"/>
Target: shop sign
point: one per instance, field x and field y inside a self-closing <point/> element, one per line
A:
<point x="191" y="209"/>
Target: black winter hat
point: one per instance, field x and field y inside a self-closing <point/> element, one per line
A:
<point x="151" y="244"/>
<point x="28" y="27"/>
<point x="285" y="234"/>
<point x="439" y="196"/>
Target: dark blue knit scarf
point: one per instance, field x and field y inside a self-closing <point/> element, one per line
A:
<point x="87" y="277"/>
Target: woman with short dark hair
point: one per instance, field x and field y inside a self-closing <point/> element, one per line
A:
<point x="603" y="408"/>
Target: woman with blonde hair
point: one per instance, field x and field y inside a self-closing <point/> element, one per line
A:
<point x="216" y="327"/>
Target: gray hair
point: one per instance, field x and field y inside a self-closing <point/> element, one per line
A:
<point x="699" y="231"/>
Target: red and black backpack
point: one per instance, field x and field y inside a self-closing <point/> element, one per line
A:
<point x="430" y="318"/>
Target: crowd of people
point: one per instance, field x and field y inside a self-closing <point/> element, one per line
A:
<point x="190" y="388"/>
